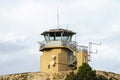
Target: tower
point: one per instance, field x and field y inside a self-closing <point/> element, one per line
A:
<point x="60" y="53"/>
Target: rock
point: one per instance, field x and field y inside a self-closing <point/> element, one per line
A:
<point x="108" y="75"/>
<point x="52" y="76"/>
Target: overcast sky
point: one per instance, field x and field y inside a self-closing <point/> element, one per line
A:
<point x="22" y="21"/>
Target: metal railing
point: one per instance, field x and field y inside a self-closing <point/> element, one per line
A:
<point x="70" y="44"/>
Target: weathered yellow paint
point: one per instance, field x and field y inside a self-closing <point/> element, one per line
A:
<point x="60" y="53"/>
<point x="82" y="58"/>
<point x="60" y="60"/>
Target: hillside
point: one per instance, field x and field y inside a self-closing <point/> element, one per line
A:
<point x="57" y="76"/>
<point x="108" y="75"/>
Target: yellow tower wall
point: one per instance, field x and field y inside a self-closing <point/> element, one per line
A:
<point x="60" y="60"/>
<point x="81" y="58"/>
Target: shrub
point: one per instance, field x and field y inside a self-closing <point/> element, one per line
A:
<point x="84" y="72"/>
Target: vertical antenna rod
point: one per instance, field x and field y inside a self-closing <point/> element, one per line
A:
<point x="58" y="16"/>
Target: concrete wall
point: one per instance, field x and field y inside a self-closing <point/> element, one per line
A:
<point x="82" y="58"/>
<point x="60" y="60"/>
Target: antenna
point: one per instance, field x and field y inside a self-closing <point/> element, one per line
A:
<point x="58" y="16"/>
<point x="90" y="48"/>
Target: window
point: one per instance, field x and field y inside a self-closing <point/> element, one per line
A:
<point x="52" y="36"/>
<point x="66" y="36"/>
<point x="58" y="36"/>
<point x="48" y="66"/>
<point x="84" y="59"/>
<point x="46" y="37"/>
<point x="69" y="38"/>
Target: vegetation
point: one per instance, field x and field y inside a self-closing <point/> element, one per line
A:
<point x="85" y="72"/>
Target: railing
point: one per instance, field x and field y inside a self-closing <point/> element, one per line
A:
<point x="70" y="44"/>
<point x="42" y="44"/>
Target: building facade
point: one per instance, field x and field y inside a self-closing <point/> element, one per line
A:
<point x="60" y="53"/>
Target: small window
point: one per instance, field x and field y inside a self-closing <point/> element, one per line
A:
<point x="84" y="59"/>
<point x="48" y="66"/>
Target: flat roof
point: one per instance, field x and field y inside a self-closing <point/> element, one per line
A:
<point x="58" y="30"/>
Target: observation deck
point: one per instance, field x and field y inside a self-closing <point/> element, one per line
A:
<point x="61" y="38"/>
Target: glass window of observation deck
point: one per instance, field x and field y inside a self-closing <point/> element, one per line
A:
<point x="66" y="37"/>
<point x="53" y="36"/>
<point x="46" y="37"/>
<point x="58" y="36"/>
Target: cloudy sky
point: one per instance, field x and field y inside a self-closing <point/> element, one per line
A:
<point x="22" y="21"/>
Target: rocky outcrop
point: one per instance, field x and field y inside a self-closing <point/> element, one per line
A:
<point x="108" y="75"/>
<point x="52" y="76"/>
<point x="26" y="76"/>
<point x="35" y="76"/>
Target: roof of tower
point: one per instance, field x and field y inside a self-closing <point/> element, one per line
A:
<point x="58" y="30"/>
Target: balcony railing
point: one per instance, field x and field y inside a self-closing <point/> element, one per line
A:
<point x="71" y="44"/>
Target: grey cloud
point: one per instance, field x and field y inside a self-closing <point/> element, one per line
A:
<point x="113" y="39"/>
<point x="9" y="47"/>
<point x="22" y="63"/>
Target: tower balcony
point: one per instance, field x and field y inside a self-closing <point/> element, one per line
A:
<point x="68" y="44"/>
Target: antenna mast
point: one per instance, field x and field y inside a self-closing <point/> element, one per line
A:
<point x="57" y="16"/>
<point x="90" y="48"/>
